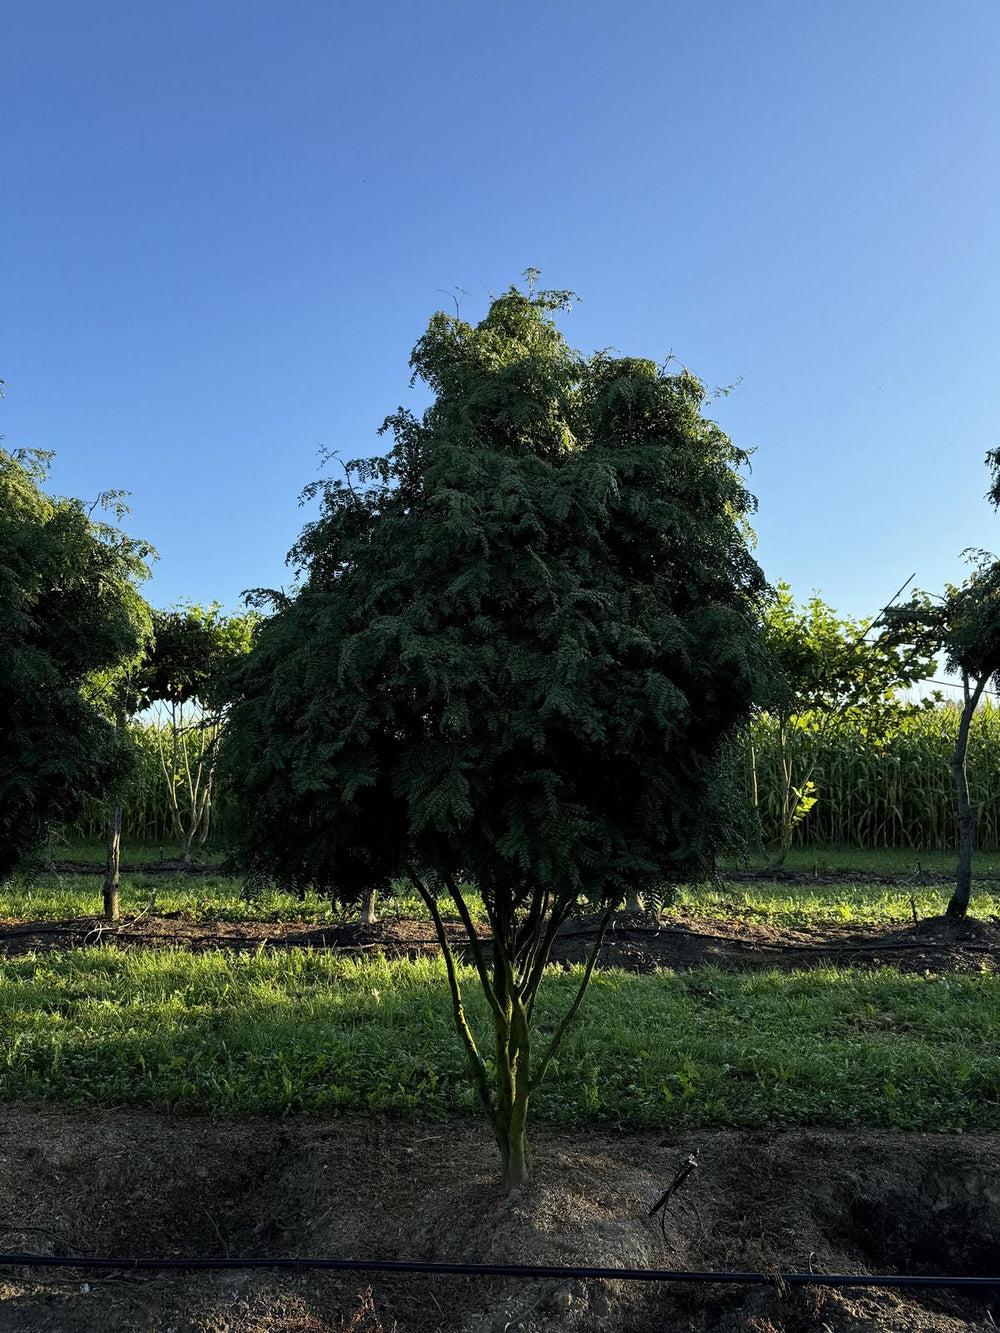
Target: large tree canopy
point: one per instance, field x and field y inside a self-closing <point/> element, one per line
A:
<point x="71" y="620"/>
<point x="521" y="642"/>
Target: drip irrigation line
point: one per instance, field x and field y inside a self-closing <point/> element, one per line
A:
<point x="526" y="1271"/>
<point x="765" y="945"/>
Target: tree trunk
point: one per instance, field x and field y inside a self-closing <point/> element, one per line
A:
<point x="368" y="917"/>
<point x="112" y="871"/>
<point x="513" y="1067"/>
<point x="515" y="1158"/>
<point x="520" y="952"/>
<point x="186" y="840"/>
<point x="959" y="905"/>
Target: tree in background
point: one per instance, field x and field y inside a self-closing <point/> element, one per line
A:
<point x="522" y="640"/>
<point x="192" y="646"/>
<point x="964" y="624"/>
<point x="71" y="618"/>
<point x="829" y="668"/>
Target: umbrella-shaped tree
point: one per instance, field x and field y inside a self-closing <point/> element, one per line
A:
<point x="520" y="645"/>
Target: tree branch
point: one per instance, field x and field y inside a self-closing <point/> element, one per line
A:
<point x="571" y="1011"/>
<point x="475" y="945"/>
<point x="476" y="1062"/>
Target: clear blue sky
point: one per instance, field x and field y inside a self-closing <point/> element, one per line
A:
<point x="224" y="225"/>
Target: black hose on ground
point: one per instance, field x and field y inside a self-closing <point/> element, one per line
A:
<point x="527" y="1271"/>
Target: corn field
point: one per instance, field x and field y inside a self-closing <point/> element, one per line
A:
<point x="901" y="794"/>
<point x="147" y="810"/>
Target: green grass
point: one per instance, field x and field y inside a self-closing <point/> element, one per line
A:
<point x="307" y="1032"/>
<point x="845" y="859"/>
<point x="801" y="906"/>
<point x="195" y="898"/>
<point x="95" y="853"/>
<point x="216" y="898"/>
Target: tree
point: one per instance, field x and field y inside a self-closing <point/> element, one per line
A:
<point x="191" y="648"/>
<point x="828" y="668"/>
<point x="71" y="617"/>
<point x="964" y="624"/>
<point x="521" y="641"/>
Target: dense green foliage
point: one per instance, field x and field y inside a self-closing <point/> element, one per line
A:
<point x="892" y="792"/>
<point x="308" y="1032"/>
<point x="522" y="644"/>
<point x="191" y="648"/>
<point x="522" y="636"/>
<point x="71" y="621"/>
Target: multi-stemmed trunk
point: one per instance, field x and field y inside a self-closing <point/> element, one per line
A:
<point x="959" y="905"/>
<point x="191" y="817"/>
<point x="521" y="944"/>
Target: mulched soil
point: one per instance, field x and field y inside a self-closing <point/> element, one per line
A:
<point x="638" y="944"/>
<point x="147" y="1183"/>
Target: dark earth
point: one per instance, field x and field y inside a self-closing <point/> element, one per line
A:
<point x="633" y="943"/>
<point x="144" y="1183"/>
<point x="137" y="1183"/>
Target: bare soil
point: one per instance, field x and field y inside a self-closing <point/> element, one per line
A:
<point x="635" y="943"/>
<point x="136" y="1183"/>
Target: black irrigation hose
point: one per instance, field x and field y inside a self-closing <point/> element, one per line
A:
<point x="766" y="945"/>
<point x="527" y="1271"/>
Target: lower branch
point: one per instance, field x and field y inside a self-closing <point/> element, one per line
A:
<point x="476" y="1064"/>
<point x="570" y="1014"/>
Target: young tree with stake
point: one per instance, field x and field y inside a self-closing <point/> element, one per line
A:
<point x="964" y="624"/>
<point x="521" y="643"/>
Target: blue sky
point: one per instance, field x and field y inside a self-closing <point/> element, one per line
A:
<point x="224" y="225"/>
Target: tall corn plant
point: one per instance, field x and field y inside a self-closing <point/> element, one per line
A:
<point x="830" y="668"/>
<point x="895" y="790"/>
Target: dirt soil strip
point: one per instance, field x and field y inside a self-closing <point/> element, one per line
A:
<point x="634" y="944"/>
<point x="149" y="1184"/>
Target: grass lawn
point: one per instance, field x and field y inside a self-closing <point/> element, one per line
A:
<point x="217" y="898"/>
<point x="804" y="905"/>
<point x="310" y="1032"/>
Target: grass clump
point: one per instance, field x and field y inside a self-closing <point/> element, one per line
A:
<point x="309" y="1032"/>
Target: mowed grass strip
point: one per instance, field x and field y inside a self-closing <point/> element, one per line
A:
<point x="799" y="906"/>
<point x="217" y="898"/>
<point x="307" y="1032"/>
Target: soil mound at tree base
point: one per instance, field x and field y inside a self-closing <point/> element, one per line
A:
<point x="149" y="1184"/>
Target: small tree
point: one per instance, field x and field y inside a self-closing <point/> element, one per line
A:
<point x="521" y="642"/>
<point x="71" y="618"/>
<point x="192" y="646"/>
<point x="964" y="624"/>
<point x="829" y="667"/>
